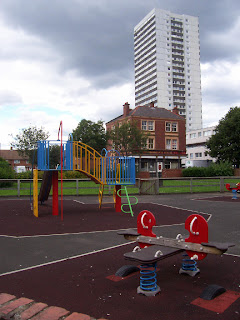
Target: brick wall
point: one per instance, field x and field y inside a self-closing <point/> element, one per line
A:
<point x="172" y="173"/>
<point x="237" y="172"/>
<point x="143" y="175"/>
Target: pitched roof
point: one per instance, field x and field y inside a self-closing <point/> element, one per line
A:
<point x="151" y="112"/>
<point x="11" y="155"/>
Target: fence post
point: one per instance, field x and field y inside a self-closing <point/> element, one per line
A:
<point x="221" y="184"/>
<point x="18" y="187"/>
<point x="157" y="186"/>
<point x="138" y="184"/>
<point x="191" y="185"/>
<point x="77" y="187"/>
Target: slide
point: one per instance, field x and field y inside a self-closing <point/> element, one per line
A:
<point x="45" y="186"/>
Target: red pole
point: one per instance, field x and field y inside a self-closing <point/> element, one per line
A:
<point x="55" y="193"/>
<point x="60" y="128"/>
<point x="118" y="199"/>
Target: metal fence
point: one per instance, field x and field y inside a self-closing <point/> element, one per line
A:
<point x="23" y="187"/>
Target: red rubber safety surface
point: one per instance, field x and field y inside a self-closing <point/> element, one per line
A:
<point x="82" y="284"/>
<point x="17" y="219"/>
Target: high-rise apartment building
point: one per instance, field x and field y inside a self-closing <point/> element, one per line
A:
<point x="167" y="64"/>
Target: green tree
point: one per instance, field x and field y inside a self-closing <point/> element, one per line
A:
<point x="128" y="138"/>
<point x="91" y="133"/>
<point x="26" y="141"/>
<point x="225" y="143"/>
<point x="54" y="156"/>
<point x="6" y="172"/>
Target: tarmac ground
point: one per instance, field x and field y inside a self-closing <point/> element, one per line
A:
<point x="71" y="263"/>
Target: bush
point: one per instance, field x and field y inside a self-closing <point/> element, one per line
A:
<point x="24" y="175"/>
<point x="194" y="172"/>
<point x="214" y="170"/>
<point x="72" y="175"/>
<point x="66" y="175"/>
<point x="220" y="169"/>
<point x="6" y="172"/>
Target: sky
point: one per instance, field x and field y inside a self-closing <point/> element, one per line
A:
<point x="68" y="60"/>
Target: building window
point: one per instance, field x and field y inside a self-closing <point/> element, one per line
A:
<point x="167" y="164"/>
<point x="192" y="135"/>
<point x="168" y="126"/>
<point x="150" y="143"/>
<point x="174" y="126"/>
<point x="147" y="125"/>
<point x="168" y="144"/>
<point x="207" y="133"/>
<point x="171" y="144"/>
<point x="174" y="144"/>
<point x="144" y="125"/>
<point x="191" y="155"/>
<point x="150" y="125"/>
<point x="171" y="126"/>
<point x="16" y="161"/>
<point x="198" y="154"/>
<point x="199" y="134"/>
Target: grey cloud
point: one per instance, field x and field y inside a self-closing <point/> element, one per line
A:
<point x="8" y="97"/>
<point x="222" y="95"/>
<point x="95" y="38"/>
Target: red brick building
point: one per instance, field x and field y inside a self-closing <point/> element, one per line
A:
<point x="15" y="160"/>
<point x="166" y="142"/>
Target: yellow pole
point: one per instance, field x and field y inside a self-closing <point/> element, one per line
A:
<point x="35" y="192"/>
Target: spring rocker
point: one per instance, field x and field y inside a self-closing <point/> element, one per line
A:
<point x="151" y="249"/>
<point x="109" y="169"/>
<point x="234" y="190"/>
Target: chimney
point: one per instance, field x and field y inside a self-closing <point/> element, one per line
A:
<point x="175" y="110"/>
<point x="126" y="109"/>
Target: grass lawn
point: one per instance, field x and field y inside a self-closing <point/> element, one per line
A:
<point x="198" y="185"/>
<point x="69" y="188"/>
<point x="90" y="188"/>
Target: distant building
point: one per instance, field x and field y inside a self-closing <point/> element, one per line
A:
<point x="166" y="143"/>
<point x="167" y="64"/>
<point x="18" y="162"/>
<point x="196" y="148"/>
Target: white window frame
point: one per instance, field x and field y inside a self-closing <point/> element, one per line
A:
<point x="174" y="144"/>
<point x="151" y="125"/>
<point x="168" y="145"/>
<point x="150" y="144"/>
<point x="168" y="127"/>
<point x="144" y="126"/>
<point x="174" y="127"/>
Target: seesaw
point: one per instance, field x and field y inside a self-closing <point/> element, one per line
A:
<point x="234" y="190"/>
<point x="152" y="249"/>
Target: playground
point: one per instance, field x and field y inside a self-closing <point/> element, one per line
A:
<point x="119" y="257"/>
<point x="71" y="263"/>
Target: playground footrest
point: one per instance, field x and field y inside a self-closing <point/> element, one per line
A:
<point x="129" y="232"/>
<point x="221" y="246"/>
<point x="151" y="254"/>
